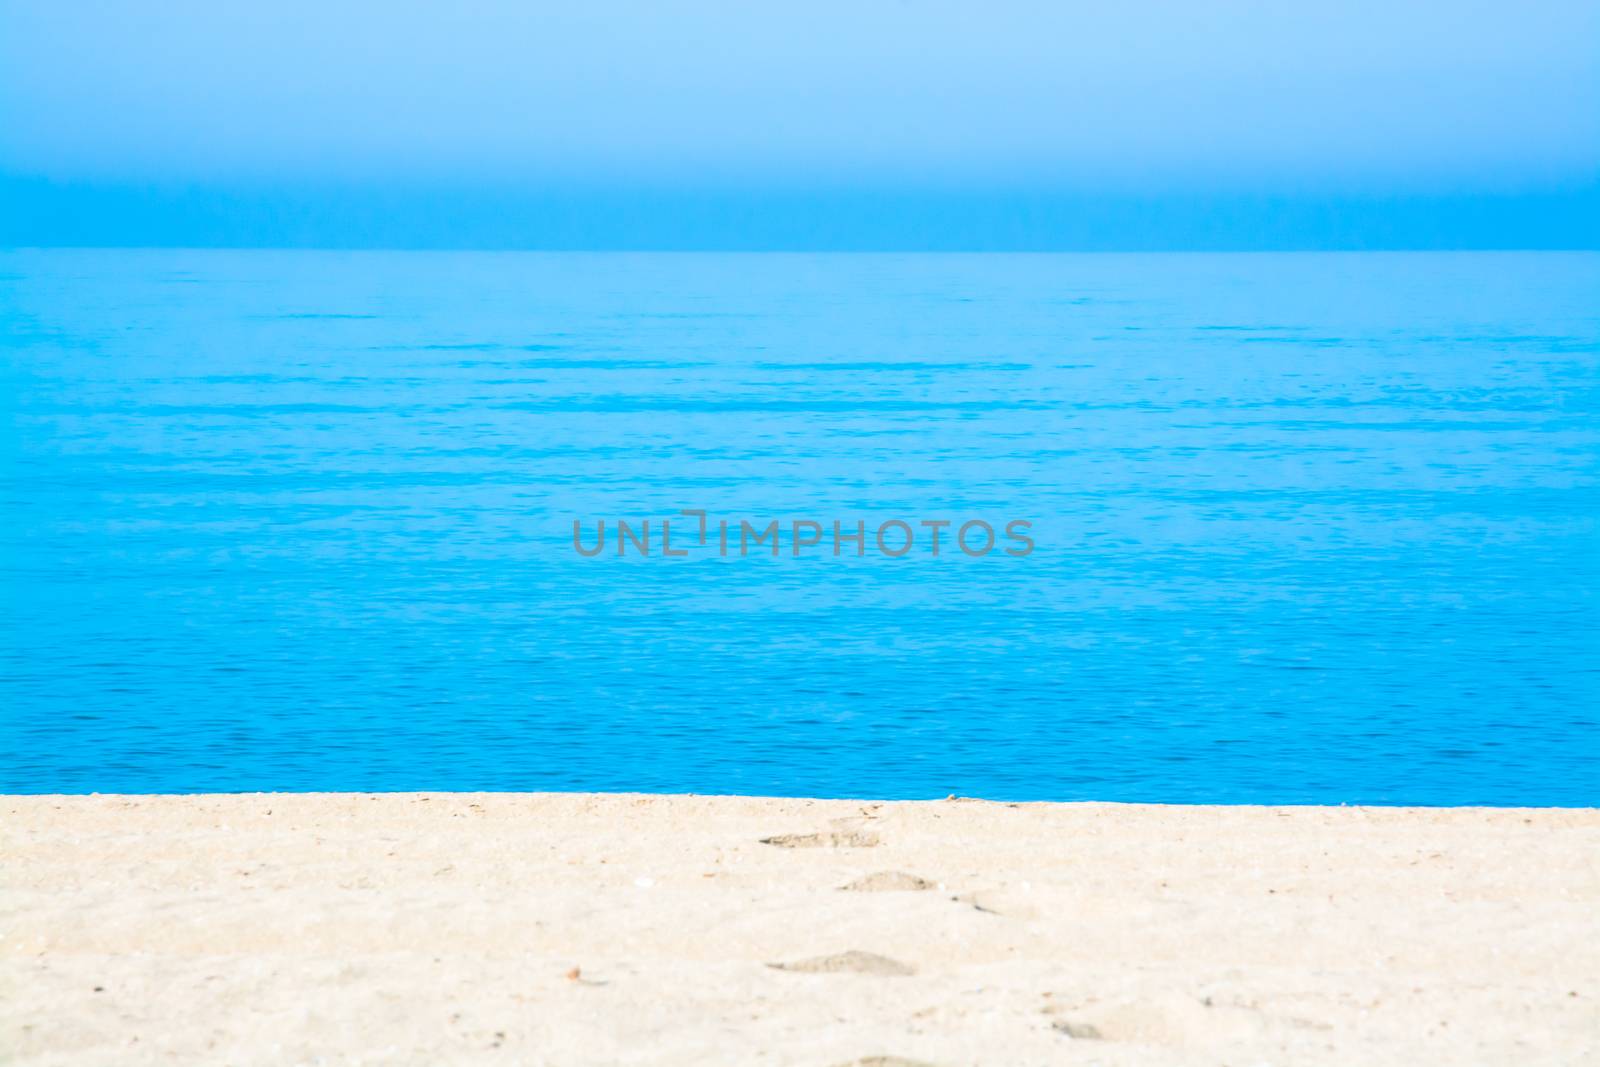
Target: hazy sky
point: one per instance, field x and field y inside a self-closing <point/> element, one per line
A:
<point x="466" y="105"/>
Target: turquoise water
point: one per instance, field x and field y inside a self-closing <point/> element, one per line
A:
<point x="1307" y="528"/>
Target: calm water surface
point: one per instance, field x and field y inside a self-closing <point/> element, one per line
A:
<point x="1310" y="528"/>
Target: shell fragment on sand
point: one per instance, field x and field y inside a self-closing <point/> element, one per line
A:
<point x="851" y="962"/>
<point x="830" y="839"/>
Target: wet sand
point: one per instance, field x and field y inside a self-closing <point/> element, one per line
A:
<point x="618" y="929"/>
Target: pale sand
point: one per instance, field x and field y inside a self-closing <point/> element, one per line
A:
<point x="447" y="928"/>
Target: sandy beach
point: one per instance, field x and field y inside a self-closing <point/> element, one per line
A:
<point x="616" y="929"/>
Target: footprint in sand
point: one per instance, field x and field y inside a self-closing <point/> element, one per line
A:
<point x="852" y="962"/>
<point x="888" y="882"/>
<point x="830" y="839"/>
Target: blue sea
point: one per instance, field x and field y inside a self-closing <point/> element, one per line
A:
<point x="1307" y="528"/>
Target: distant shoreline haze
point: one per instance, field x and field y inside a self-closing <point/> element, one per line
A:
<point x="37" y="212"/>
<point x="710" y="125"/>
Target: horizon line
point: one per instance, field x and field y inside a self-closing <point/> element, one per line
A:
<point x="886" y="251"/>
